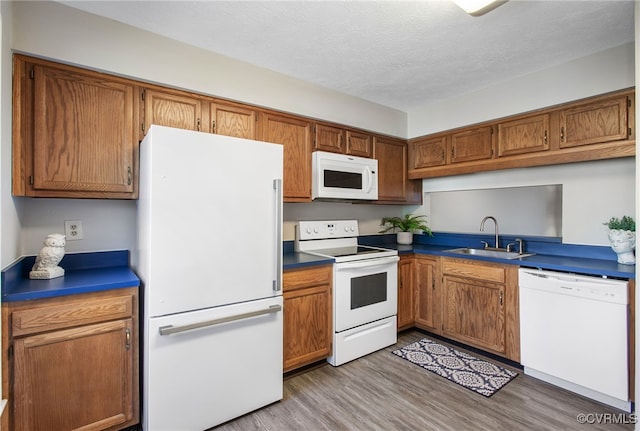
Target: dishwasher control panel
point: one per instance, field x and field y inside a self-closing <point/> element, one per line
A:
<point x="584" y="286"/>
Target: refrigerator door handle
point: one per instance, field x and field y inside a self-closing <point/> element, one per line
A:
<point x="170" y="329"/>
<point x="277" y="283"/>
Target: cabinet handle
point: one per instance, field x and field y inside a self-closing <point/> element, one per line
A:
<point x="442" y="155"/>
<point x="128" y="175"/>
<point x="127" y="336"/>
<point x="562" y="134"/>
<point x="198" y="125"/>
<point x="546" y="138"/>
<point x="433" y="283"/>
<point x="213" y="126"/>
<point x="501" y="298"/>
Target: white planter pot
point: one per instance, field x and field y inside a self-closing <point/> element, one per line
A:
<point x="623" y="243"/>
<point x="405" y="238"/>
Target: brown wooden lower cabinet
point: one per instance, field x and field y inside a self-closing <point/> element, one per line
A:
<point x="469" y="301"/>
<point x="308" y="324"/>
<point x="72" y="362"/>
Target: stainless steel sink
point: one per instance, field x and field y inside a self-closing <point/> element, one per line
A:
<point x="489" y="253"/>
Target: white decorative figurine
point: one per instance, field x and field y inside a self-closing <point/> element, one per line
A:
<point x="46" y="266"/>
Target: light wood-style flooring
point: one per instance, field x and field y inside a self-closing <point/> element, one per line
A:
<point x="384" y="392"/>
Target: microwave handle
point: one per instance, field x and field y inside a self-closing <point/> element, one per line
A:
<point x="369" y="178"/>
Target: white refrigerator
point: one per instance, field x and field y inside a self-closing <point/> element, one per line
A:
<point x="209" y="257"/>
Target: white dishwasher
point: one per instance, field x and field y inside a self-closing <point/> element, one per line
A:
<point x="573" y="333"/>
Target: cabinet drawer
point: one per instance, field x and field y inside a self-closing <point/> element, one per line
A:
<point x="471" y="269"/>
<point x="306" y="277"/>
<point x="73" y="313"/>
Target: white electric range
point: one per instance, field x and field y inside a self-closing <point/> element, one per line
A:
<point x="365" y="287"/>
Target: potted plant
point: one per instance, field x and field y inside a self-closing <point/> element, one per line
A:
<point x="406" y="226"/>
<point x="622" y="236"/>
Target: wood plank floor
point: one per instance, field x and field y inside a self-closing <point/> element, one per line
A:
<point x="384" y="392"/>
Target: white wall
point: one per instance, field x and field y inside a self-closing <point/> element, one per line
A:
<point x="602" y="72"/>
<point x="592" y="192"/>
<point x="10" y="245"/>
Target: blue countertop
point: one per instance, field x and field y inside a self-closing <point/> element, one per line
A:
<point x="551" y="254"/>
<point x="84" y="272"/>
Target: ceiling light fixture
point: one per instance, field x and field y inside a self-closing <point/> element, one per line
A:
<point x="478" y="7"/>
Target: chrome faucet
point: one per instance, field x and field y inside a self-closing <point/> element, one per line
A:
<point x="495" y="222"/>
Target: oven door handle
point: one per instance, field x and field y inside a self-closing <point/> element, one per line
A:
<point x="367" y="263"/>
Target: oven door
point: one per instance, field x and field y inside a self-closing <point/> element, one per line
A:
<point x="365" y="291"/>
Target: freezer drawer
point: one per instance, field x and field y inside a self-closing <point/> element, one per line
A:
<point x="209" y="368"/>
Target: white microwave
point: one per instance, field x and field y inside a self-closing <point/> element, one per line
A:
<point x="338" y="176"/>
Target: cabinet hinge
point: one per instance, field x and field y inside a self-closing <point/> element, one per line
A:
<point x="628" y="102"/>
<point x="629" y="131"/>
<point x="31" y="180"/>
<point x="32" y="74"/>
<point x="10" y="352"/>
<point x="142" y="94"/>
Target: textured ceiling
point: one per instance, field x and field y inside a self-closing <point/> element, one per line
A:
<point x="400" y="54"/>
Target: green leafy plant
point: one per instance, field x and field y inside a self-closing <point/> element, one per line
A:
<point x="408" y="223"/>
<point x="626" y="223"/>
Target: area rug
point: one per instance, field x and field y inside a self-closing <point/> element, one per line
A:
<point x="475" y="374"/>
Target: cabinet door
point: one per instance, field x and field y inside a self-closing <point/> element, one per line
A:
<point x="327" y="138"/>
<point x="428" y="303"/>
<point x="406" y="292"/>
<point x="525" y="135"/>
<point x="83" y="137"/>
<point x="593" y="123"/>
<point x="359" y="144"/>
<point x="474" y="312"/>
<point x="307" y="323"/>
<point x="392" y="169"/>
<point x="470" y="145"/>
<point x="172" y="110"/>
<point x="428" y="152"/>
<point x="295" y="135"/>
<point x="74" y="378"/>
<point x="231" y="120"/>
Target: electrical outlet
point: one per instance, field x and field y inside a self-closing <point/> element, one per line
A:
<point x="73" y="229"/>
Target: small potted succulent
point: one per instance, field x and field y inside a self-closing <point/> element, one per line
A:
<point x="622" y="236"/>
<point x="406" y="226"/>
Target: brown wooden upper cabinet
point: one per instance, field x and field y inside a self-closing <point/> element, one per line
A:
<point x="232" y="120"/>
<point x="524" y="135"/>
<point x="170" y="109"/>
<point x="428" y="152"/>
<point x="359" y="144"/>
<point x="591" y="123"/>
<point x="472" y="144"/>
<point x="295" y="135"/>
<point x="344" y="141"/>
<point x="393" y="184"/>
<point x="74" y="132"/>
<point x="328" y="138"/>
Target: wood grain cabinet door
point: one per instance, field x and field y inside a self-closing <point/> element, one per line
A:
<point x="83" y="138"/>
<point x="593" y="123"/>
<point x="473" y="144"/>
<point x="295" y="135"/>
<point x="80" y="378"/>
<point x="392" y="169"/>
<point x="524" y="135"/>
<point x="359" y="144"/>
<point x="406" y="292"/>
<point x="428" y="152"/>
<point x="231" y="120"/>
<point x="327" y="138"/>
<point x="172" y="110"/>
<point x="474" y="312"/>
<point x="428" y="302"/>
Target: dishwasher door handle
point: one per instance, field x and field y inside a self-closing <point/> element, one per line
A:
<point x="170" y="329"/>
